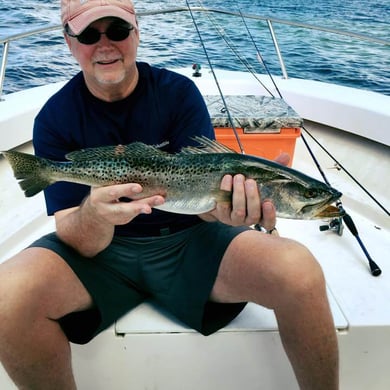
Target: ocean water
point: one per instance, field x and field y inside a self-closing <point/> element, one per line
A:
<point x="170" y="40"/>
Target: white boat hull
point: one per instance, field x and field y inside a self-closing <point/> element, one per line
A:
<point x="147" y="349"/>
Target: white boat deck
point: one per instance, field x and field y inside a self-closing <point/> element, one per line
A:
<point x="149" y="349"/>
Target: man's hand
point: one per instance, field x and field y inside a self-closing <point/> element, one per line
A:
<point x="283" y="158"/>
<point x="246" y="208"/>
<point x="89" y="228"/>
<point x="106" y="204"/>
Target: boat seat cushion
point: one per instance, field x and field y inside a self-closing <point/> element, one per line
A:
<point x="254" y="114"/>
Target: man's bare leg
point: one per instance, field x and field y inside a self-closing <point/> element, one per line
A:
<point x="283" y="275"/>
<point x="36" y="288"/>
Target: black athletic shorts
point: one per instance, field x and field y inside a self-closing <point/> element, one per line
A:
<point x="177" y="270"/>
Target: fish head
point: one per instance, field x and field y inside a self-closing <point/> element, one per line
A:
<point x="319" y="204"/>
<point x="304" y="200"/>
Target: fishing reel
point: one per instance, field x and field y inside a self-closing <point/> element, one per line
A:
<point x="335" y="225"/>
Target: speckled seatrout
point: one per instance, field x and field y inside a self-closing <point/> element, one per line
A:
<point x="190" y="180"/>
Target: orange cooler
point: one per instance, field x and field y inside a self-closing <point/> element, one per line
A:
<point x="267" y="145"/>
<point x="267" y="126"/>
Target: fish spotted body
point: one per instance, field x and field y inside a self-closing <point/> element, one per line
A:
<point x="189" y="180"/>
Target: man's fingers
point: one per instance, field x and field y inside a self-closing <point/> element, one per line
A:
<point x="227" y="183"/>
<point x="113" y="193"/>
<point x="268" y="215"/>
<point x="239" y="211"/>
<point x="253" y="202"/>
<point x="246" y="207"/>
<point x="106" y="201"/>
<point x="283" y="158"/>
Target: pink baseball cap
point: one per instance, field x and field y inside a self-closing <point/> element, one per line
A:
<point x="79" y="14"/>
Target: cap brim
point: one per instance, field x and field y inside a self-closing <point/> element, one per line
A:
<point x="81" y="22"/>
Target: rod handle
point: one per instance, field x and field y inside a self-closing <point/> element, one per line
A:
<point x="374" y="268"/>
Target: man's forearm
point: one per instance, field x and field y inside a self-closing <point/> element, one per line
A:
<point x="81" y="228"/>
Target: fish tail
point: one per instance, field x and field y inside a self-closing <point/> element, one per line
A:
<point x="30" y="170"/>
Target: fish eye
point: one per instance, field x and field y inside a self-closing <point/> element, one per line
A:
<point x="310" y="193"/>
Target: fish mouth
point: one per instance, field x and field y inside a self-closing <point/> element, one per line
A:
<point x="330" y="212"/>
<point x="326" y="210"/>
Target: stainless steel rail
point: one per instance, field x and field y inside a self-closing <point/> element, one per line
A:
<point x="7" y="40"/>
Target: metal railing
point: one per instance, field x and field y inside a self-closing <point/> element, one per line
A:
<point x="270" y="21"/>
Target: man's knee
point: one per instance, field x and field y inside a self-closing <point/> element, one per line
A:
<point x="18" y="286"/>
<point x="303" y="274"/>
<point x="267" y="270"/>
<point x="37" y="282"/>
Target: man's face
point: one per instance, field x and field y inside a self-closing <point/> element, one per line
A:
<point x="106" y="63"/>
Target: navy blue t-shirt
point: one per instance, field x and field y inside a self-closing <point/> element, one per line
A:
<point x="165" y="108"/>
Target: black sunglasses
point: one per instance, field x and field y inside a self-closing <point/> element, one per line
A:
<point x="115" y="32"/>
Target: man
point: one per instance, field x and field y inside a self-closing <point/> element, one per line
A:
<point x="110" y="253"/>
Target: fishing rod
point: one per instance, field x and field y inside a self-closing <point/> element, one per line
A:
<point x="234" y="50"/>
<point x="374" y="268"/>
<point x="260" y="57"/>
<point x="216" y="80"/>
<point x="344" y="169"/>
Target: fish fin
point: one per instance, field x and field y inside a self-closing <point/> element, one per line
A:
<point x="206" y="145"/>
<point x="29" y="169"/>
<point x="33" y="185"/>
<point x="135" y="149"/>
<point x="198" y="205"/>
<point x="223" y="196"/>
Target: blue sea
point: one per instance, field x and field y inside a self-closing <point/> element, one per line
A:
<point x="170" y="41"/>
